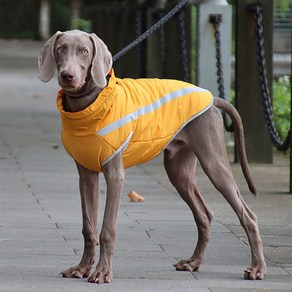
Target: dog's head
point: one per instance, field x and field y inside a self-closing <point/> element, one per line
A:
<point x="78" y="56"/>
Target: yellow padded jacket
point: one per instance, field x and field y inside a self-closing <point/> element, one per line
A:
<point x="137" y="116"/>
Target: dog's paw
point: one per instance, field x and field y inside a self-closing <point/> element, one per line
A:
<point x="101" y="276"/>
<point x="255" y="273"/>
<point x="189" y="265"/>
<point x="77" y="272"/>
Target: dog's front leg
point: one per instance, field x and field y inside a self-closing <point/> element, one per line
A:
<point x="88" y="184"/>
<point x="114" y="175"/>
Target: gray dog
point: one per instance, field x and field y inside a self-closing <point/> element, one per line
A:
<point x="110" y="124"/>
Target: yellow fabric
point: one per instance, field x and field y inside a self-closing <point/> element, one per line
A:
<point x="136" y="116"/>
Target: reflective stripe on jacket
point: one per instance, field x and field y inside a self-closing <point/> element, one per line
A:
<point x="136" y="116"/>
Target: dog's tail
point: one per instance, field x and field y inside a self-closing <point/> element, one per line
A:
<point x="239" y="136"/>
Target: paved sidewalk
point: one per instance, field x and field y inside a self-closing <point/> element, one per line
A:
<point x="40" y="216"/>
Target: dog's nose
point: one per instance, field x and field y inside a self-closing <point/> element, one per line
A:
<point x="67" y="76"/>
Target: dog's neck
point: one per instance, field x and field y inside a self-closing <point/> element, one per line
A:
<point x="81" y="99"/>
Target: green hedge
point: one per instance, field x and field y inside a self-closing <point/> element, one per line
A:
<point x="282" y="105"/>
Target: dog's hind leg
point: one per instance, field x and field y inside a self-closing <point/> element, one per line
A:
<point x="180" y="164"/>
<point x="209" y="147"/>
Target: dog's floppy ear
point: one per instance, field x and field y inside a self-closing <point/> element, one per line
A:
<point x="46" y="60"/>
<point x="101" y="62"/>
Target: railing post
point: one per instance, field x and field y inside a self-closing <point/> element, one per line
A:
<point x="164" y="59"/>
<point x="248" y="85"/>
<point x="44" y="21"/>
<point x="153" y="65"/>
<point x="206" y="52"/>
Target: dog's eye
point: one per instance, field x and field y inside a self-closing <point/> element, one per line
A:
<point x="60" y="50"/>
<point x="84" y="52"/>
